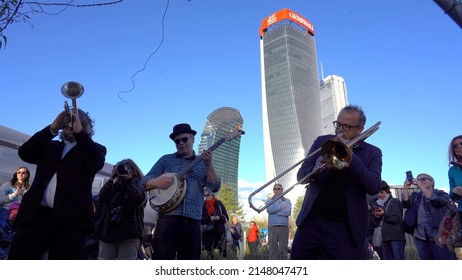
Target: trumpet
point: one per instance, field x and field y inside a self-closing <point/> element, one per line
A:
<point x="336" y="154"/>
<point x="71" y="90"/>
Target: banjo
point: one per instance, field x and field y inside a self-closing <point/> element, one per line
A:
<point x="166" y="200"/>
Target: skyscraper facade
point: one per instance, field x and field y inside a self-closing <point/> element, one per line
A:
<point x="291" y="103"/>
<point x="333" y="99"/>
<point x="219" y="124"/>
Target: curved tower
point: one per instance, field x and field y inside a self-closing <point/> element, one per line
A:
<point x="291" y="103"/>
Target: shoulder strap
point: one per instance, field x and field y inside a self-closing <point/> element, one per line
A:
<point x="389" y="202"/>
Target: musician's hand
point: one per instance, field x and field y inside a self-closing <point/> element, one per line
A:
<point x="207" y="156"/>
<point x="164" y="181"/>
<point x="76" y="124"/>
<point x="319" y="162"/>
<point x="58" y="123"/>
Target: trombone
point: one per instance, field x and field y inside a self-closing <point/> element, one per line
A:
<point x="335" y="153"/>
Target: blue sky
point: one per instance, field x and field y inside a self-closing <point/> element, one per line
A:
<point x="399" y="59"/>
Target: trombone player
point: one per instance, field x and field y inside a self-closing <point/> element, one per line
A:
<point x="332" y="223"/>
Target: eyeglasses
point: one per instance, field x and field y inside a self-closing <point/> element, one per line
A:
<point x="206" y="194"/>
<point x="183" y="139"/>
<point x="345" y="126"/>
<point x="455" y="145"/>
<point x="19" y="172"/>
<point x="422" y="179"/>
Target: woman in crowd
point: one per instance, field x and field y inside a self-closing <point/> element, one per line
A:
<point x="253" y="239"/>
<point x="431" y="205"/>
<point x="11" y="194"/>
<point x="388" y="211"/>
<point x="121" y="208"/>
<point x="13" y="191"/>
<point x="214" y="212"/>
<point x="455" y="171"/>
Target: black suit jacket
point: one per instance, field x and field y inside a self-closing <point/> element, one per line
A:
<point x="363" y="177"/>
<point x="75" y="174"/>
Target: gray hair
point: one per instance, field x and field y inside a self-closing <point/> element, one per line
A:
<point x="356" y="109"/>
<point x="207" y="190"/>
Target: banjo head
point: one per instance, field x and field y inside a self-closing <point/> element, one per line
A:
<point x="168" y="199"/>
<point x="158" y="197"/>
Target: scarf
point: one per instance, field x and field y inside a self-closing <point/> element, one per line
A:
<point x="210" y="206"/>
<point x="381" y="202"/>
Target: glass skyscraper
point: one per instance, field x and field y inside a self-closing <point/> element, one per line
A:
<point x="290" y="92"/>
<point x="333" y="99"/>
<point x="218" y="125"/>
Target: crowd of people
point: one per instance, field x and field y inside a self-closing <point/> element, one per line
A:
<point x="56" y="217"/>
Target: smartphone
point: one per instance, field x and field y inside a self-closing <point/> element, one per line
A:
<point x="409" y="176"/>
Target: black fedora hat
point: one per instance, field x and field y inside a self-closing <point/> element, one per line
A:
<point x="181" y="128"/>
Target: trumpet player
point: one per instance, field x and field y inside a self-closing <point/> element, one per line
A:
<point x="332" y="223"/>
<point x="56" y="212"/>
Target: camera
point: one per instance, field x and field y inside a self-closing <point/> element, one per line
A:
<point x="116" y="214"/>
<point x="122" y="169"/>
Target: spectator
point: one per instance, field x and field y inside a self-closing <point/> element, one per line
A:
<point x="253" y="239"/>
<point x="214" y="212"/>
<point x="236" y="232"/>
<point x="278" y="224"/>
<point x="431" y="206"/>
<point x="389" y="211"/>
<point x="122" y="204"/>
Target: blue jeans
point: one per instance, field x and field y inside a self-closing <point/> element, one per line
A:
<point x="393" y="250"/>
<point x="428" y="250"/>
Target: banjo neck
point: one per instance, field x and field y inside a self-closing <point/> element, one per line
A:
<point x="198" y="159"/>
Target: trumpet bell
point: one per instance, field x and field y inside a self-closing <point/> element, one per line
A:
<point x="72" y="90"/>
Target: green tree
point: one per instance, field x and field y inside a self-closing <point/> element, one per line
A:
<point x="297" y="207"/>
<point x="228" y="195"/>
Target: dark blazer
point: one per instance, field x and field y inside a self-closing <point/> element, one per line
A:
<point x="392" y="226"/>
<point x="75" y="174"/>
<point x="363" y="176"/>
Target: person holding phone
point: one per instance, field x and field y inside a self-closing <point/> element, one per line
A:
<point x="388" y="211"/>
<point x="432" y="205"/>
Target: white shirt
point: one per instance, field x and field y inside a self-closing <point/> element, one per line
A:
<point x="49" y="194"/>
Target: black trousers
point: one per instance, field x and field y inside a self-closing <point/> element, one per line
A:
<point x="44" y="238"/>
<point x="317" y="239"/>
<point x="177" y="237"/>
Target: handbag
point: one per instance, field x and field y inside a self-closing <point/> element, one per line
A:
<point x="227" y="231"/>
<point x="410" y="217"/>
<point x="450" y="232"/>
<point x="377" y="236"/>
